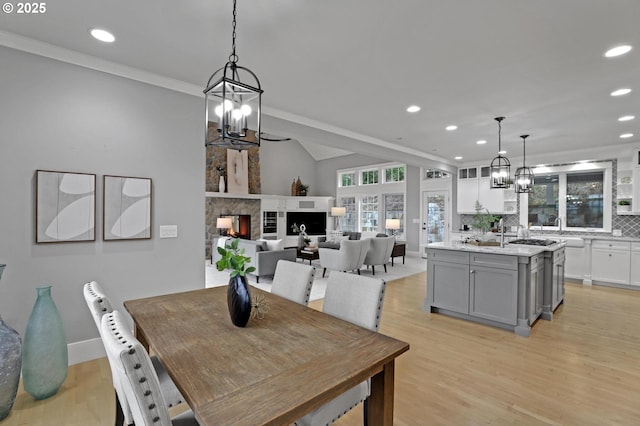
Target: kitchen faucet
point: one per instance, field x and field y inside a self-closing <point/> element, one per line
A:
<point x="501" y="225"/>
<point x="558" y="222"/>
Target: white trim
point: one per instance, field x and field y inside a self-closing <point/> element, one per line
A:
<point x="85" y="350"/>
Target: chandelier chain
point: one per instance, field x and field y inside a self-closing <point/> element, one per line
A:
<point x="233" y="58"/>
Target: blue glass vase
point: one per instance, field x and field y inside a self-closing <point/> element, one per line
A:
<point x="44" y="355"/>
<point x="10" y="363"/>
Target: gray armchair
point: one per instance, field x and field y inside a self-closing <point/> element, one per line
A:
<point x="263" y="260"/>
<point x="380" y="252"/>
<point x="349" y="257"/>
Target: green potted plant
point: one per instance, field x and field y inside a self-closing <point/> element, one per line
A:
<point x="624" y="205"/>
<point x="238" y="296"/>
<point x="482" y="221"/>
<point x="302" y="189"/>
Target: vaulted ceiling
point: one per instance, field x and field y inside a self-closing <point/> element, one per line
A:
<point x="342" y="73"/>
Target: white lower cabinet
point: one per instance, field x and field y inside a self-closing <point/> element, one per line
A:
<point x="635" y="264"/>
<point x="611" y="261"/>
<point x="577" y="262"/>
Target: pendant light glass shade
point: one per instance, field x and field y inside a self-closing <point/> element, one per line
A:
<point x="233" y="104"/>
<point x="524" y="175"/>
<point x="500" y="167"/>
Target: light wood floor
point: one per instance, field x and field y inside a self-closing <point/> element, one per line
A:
<point x="581" y="369"/>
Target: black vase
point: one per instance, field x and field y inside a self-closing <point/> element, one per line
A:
<point x="239" y="301"/>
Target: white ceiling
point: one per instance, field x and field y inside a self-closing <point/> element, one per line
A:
<point x="351" y="68"/>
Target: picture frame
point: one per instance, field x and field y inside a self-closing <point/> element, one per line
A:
<point x="126" y="208"/>
<point x="65" y="207"/>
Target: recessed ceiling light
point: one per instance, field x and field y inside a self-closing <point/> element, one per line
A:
<point x="617" y="51"/>
<point x="102" y="35"/>
<point x="620" y="92"/>
<point x="457" y="158"/>
<point x="413" y="108"/>
<point x="451" y="127"/>
<point x="626" y="135"/>
<point x="481" y="142"/>
<point x="502" y="152"/>
<point x="626" y="117"/>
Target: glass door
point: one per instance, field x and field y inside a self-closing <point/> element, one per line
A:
<point x="435" y="227"/>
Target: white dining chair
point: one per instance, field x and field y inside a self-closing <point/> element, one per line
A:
<point x="293" y="281"/>
<point x="100" y="305"/>
<point x="137" y="376"/>
<point x="357" y="299"/>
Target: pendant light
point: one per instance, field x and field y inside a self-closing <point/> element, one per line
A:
<point x="232" y="104"/>
<point x="500" y="167"/>
<point x="524" y="175"/>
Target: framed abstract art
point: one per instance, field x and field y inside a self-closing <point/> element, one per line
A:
<point x="65" y="206"/>
<point x="126" y="208"/>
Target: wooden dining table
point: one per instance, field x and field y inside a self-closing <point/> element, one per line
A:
<point x="271" y="372"/>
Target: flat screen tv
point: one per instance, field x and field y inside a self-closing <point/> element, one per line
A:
<point x="315" y="222"/>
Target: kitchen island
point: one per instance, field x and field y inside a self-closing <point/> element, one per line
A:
<point x="506" y="287"/>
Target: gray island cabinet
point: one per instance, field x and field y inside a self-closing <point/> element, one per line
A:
<point x="502" y="287"/>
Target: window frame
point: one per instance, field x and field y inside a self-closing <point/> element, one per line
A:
<point x="562" y="171"/>
<point x="394" y="167"/>
<point x="372" y="170"/>
<point x="354" y="180"/>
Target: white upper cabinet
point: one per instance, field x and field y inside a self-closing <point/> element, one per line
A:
<point x="473" y="185"/>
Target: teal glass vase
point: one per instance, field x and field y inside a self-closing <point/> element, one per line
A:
<point x="44" y="354"/>
<point x="10" y="363"/>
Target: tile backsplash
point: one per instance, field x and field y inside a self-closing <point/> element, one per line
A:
<point x="629" y="225"/>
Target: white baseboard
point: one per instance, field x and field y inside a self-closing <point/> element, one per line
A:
<point x="85" y="350"/>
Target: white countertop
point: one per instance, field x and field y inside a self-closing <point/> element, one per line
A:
<point x="508" y="249"/>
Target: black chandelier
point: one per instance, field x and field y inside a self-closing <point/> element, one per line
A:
<point x="524" y="175"/>
<point x="233" y="100"/>
<point x="500" y="166"/>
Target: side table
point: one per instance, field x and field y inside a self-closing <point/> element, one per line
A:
<point x="399" y="249"/>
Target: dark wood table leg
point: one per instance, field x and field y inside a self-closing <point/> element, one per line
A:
<point x="380" y="406"/>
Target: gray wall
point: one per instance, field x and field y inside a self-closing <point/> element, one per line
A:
<point x="61" y="117"/>
<point x="326" y="169"/>
<point x="281" y="163"/>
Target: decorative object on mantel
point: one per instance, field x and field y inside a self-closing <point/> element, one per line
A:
<point x="237" y="171"/>
<point x="298" y="188"/>
<point x="500" y="167"/>
<point x="44" y="356"/>
<point x="10" y="364"/>
<point x="233" y="94"/>
<point x="238" y="296"/>
<point x="221" y="170"/>
<point x="524" y="175"/>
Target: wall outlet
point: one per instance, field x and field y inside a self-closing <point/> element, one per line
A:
<point x="617" y="233"/>
<point x="168" y="231"/>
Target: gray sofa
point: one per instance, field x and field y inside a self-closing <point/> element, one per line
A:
<point x="262" y="259"/>
<point x="323" y="243"/>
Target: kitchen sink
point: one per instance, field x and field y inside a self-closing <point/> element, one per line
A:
<point x="533" y="242"/>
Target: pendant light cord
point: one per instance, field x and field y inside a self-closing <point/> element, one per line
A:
<point x="233" y="58"/>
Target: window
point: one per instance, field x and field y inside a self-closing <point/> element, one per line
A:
<point x="394" y="174"/>
<point x="577" y="194"/>
<point x="394" y="209"/>
<point x="369" y="213"/>
<point x="347" y="179"/>
<point x="349" y="222"/>
<point x="585" y="200"/>
<point x="543" y="201"/>
<point x="369" y="177"/>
